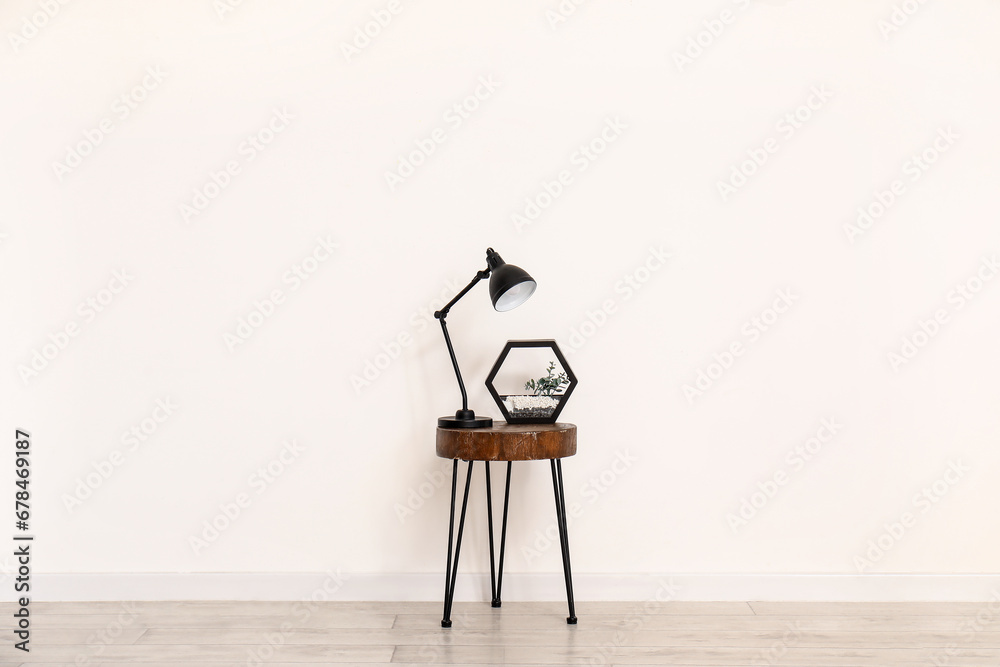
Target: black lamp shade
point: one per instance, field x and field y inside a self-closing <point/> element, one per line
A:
<point x="510" y="285"/>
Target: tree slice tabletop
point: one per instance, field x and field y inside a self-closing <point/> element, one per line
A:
<point x="507" y="442"/>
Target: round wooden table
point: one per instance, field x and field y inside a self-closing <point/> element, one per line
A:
<point x="505" y="442"/>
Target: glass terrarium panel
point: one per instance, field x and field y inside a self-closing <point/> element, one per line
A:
<point x="530" y="364"/>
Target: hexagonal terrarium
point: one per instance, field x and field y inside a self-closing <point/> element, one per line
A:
<point x="531" y="381"/>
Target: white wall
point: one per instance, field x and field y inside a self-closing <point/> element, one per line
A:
<point x="682" y="128"/>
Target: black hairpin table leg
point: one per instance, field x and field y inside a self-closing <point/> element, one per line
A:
<point x="496" y="577"/>
<point x="560" y="495"/>
<point x="503" y="532"/>
<point x="451" y="571"/>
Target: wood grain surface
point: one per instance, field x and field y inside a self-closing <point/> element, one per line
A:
<point x="508" y="442"/>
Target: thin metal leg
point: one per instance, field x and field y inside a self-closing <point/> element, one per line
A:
<point x="560" y="496"/>
<point x="451" y="537"/>
<point x="496" y="577"/>
<point x="503" y="536"/>
<point x="489" y="521"/>
<point x="452" y="569"/>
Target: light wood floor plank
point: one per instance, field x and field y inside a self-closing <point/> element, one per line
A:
<point x="241" y="608"/>
<point x="578" y="637"/>
<point x="318" y="620"/>
<point x="728" y="657"/>
<point x="228" y="653"/>
<point x="200" y="663"/>
<point x="364" y="637"/>
<point x="84" y="636"/>
<point x="877" y="608"/>
<point x="501" y="622"/>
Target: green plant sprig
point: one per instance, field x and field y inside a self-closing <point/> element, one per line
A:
<point x="549" y="383"/>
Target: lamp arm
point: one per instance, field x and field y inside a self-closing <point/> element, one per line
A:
<point x="442" y="315"/>
<point x="454" y="361"/>
<point x="480" y="275"/>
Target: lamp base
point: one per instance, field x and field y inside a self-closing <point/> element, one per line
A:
<point x="465" y="419"/>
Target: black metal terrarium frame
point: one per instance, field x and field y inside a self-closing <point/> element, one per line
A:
<point x="563" y="397"/>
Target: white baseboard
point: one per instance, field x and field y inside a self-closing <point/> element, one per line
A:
<point x="531" y="587"/>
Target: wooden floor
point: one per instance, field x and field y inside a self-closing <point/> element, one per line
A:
<point x="283" y="634"/>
